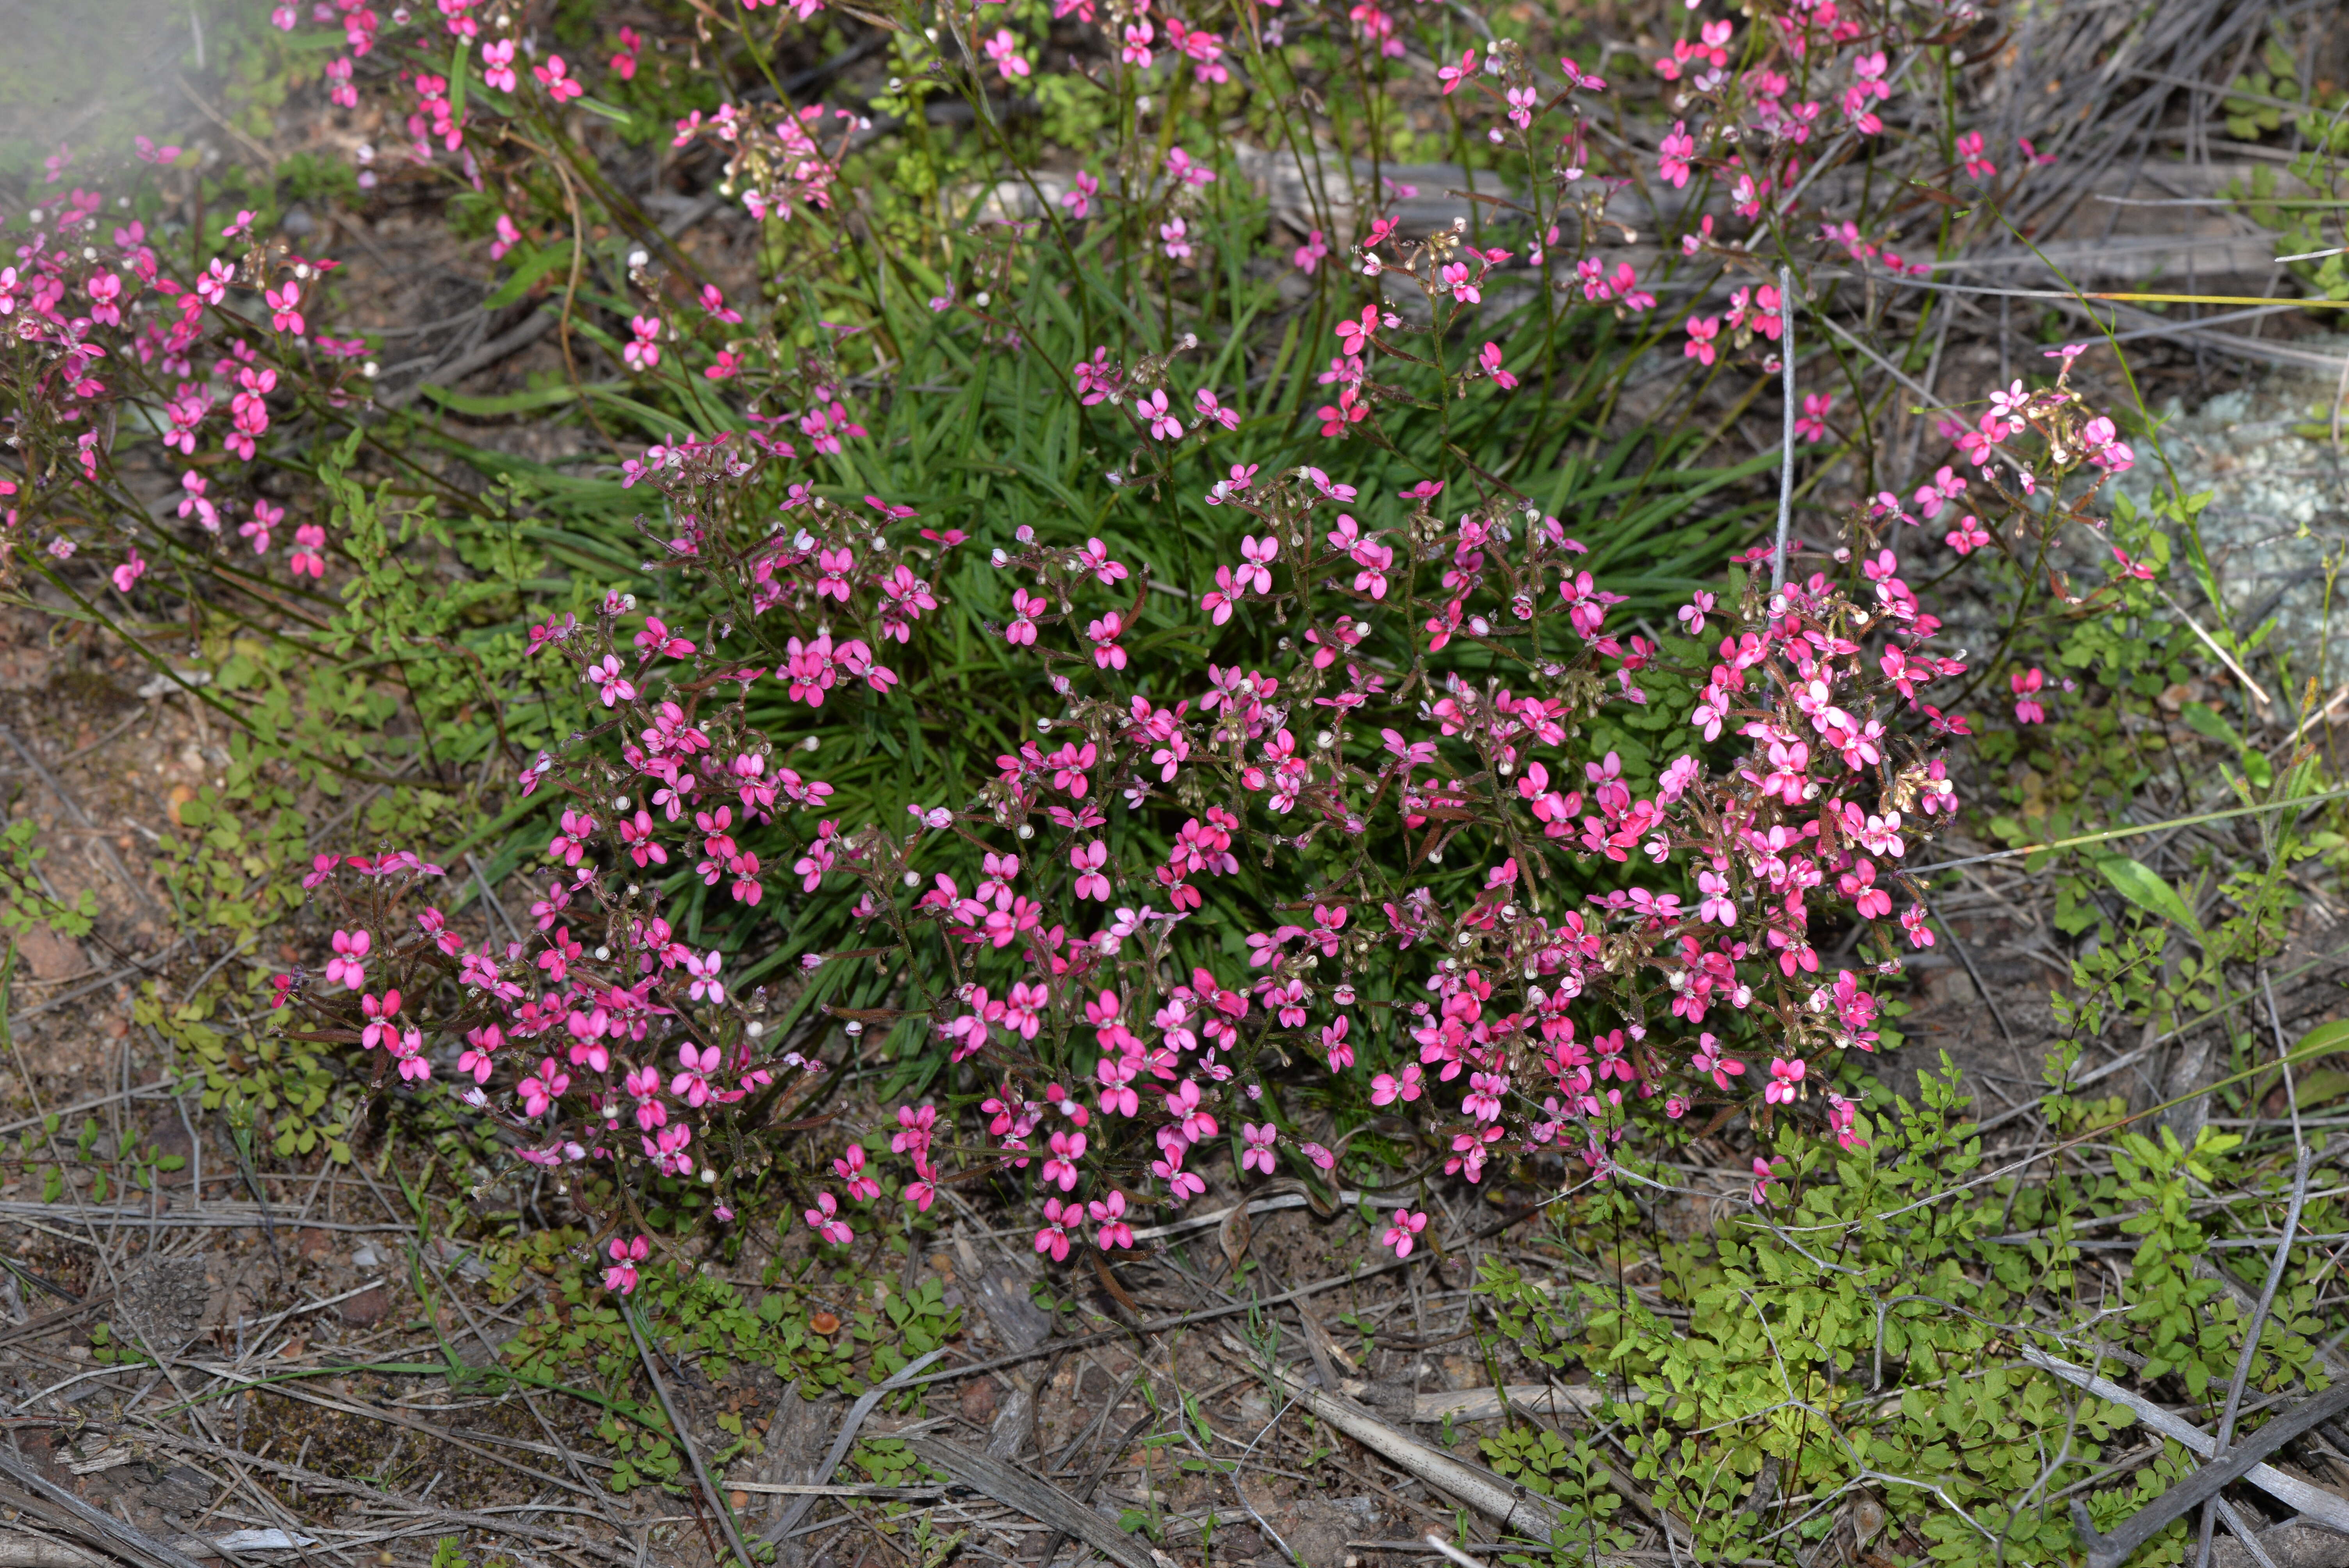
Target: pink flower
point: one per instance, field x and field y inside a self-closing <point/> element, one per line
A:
<point x="543" y="1089"/>
<point x="347" y="967"/>
<point x="1967" y="536"/>
<point x="825" y="1221"/>
<point x="284" y="312"/>
<point x="642" y="352"/>
<point x="1813" y="425"/>
<point x="1004" y="50"/>
<point x="1386" y="1089"/>
<point x="481" y="1047"/>
<point x="850" y="1168"/>
<point x="621" y="1275"/>
<point x="1026" y="607"/>
<point x="1109" y="1215"/>
<point x="1710" y="1063"/>
<point x="1947" y="486"/>
<point x="1489" y="356"/>
<point x="1164" y="426"/>
<point x="2025" y="684"/>
<point x="129" y="572"/>
<point x="1067" y="1148"/>
<point x="552" y="76"/>
<point x="1213" y="412"/>
<point x="1079" y="198"/>
<point x="1401" y="1235"/>
<point x="1785" y="1081"/>
<point x="1701" y="331"/>
<point x="1970" y="147"/>
<point x="309" y="546"/>
<point x="1672" y="162"/>
<point x="497" y="64"/>
<point x="1256" y="1154"/>
<point x="1333" y="1042"/>
<point x="1765" y="1174"/>
<point x="1052" y="1237"/>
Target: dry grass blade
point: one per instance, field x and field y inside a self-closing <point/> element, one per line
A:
<point x="1038" y="1499"/>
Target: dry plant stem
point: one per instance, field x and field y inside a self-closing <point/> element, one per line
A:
<point x="2259" y="693"/>
<point x="1472" y="1484"/>
<point x="2111" y="1551"/>
<point x="1451" y="1551"/>
<point x="119" y="1537"/>
<point x="1975" y="974"/>
<point x="2251" y="1334"/>
<point x="684" y="1438"/>
<point x="2243" y="1532"/>
<point x="901" y="1379"/>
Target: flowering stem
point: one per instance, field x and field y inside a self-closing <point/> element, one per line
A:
<point x="1786" y="460"/>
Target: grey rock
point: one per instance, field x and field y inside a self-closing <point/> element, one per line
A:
<point x="2279" y="512"/>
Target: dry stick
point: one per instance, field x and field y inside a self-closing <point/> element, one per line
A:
<point x="901" y="1379"/>
<point x="2111" y="1551"/>
<point x="450" y="1435"/>
<point x="491" y="893"/>
<point x="1786" y="456"/>
<point x="2327" y="1508"/>
<point x="1473" y="1485"/>
<point x="315" y="1480"/>
<point x="685" y="1438"/>
<point x="2258" y="692"/>
<point x="118" y="1536"/>
<point x="2258" y="1321"/>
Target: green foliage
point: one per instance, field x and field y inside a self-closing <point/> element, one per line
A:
<point x="1863" y="1337"/>
<point x="272" y="1086"/>
<point x="1571" y="1474"/>
<point x="25" y="900"/>
<point x="710" y="1320"/>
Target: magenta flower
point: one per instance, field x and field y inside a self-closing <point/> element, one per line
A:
<point x="850" y="1168"/>
<point x="1109" y="1215"/>
<point x="1701" y="331"/>
<point x="1257" y="1145"/>
<point x="555" y="77"/>
<point x="621" y="1276"/>
<point x="2025" y="684"/>
<point x="1052" y="1236"/>
<point x="825" y="1221"/>
<point x="1402" y="1234"/>
<point x="348" y="967"/>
